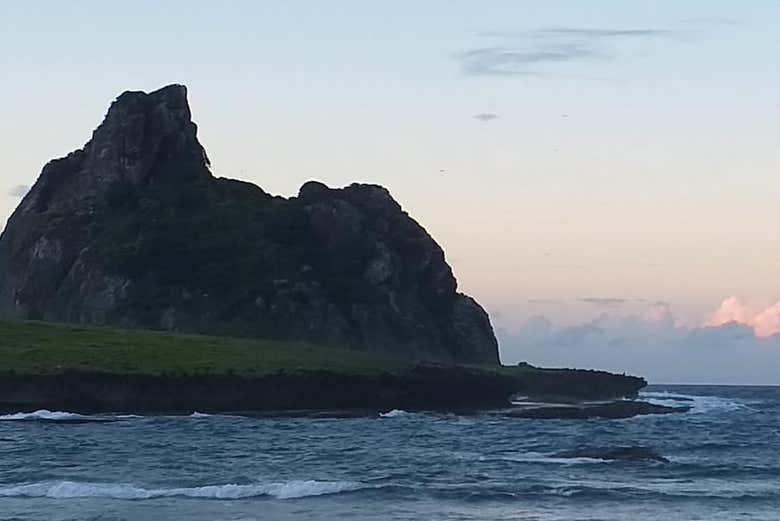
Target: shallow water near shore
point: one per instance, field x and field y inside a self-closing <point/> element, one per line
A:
<point x="723" y="465"/>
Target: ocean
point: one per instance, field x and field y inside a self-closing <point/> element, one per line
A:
<point x="724" y="464"/>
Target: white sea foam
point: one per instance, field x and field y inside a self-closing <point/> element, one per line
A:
<point x="697" y="403"/>
<point x="44" y="414"/>
<point x="75" y="490"/>
<point x="540" y="457"/>
<point x="395" y="413"/>
<point x="62" y="416"/>
<point x="704" y="488"/>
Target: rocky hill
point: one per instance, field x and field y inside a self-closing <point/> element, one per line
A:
<point x="134" y="231"/>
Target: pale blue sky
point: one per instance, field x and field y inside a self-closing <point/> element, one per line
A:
<point x="635" y="153"/>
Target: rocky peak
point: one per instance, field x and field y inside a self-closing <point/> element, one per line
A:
<point x="144" y="138"/>
<point x="144" y="133"/>
<point x="133" y="230"/>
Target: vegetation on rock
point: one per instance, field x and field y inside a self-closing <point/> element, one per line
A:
<point x="134" y="231"/>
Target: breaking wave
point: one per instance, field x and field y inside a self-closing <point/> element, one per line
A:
<point x="539" y="457"/>
<point x="47" y="415"/>
<point x="75" y="490"/>
<point x="395" y="413"/>
<point x="697" y="403"/>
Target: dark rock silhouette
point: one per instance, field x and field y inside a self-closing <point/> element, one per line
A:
<point x="134" y="231"/>
<point x="612" y="411"/>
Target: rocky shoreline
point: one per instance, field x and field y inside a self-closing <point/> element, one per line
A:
<point x="309" y="393"/>
<point x="613" y="410"/>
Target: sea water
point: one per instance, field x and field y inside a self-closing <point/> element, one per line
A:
<point x="724" y="464"/>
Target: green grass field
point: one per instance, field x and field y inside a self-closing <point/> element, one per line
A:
<point x="38" y="348"/>
<point x="43" y="348"/>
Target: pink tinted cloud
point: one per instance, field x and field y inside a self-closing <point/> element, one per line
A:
<point x="765" y="323"/>
<point x="731" y="310"/>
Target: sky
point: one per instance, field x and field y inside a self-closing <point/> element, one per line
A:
<point x="602" y="175"/>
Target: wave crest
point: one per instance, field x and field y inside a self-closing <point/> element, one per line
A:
<point x="75" y="490"/>
<point x="45" y="414"/>
<point x="539" y="457"/>
<point x="395" y="413"/>
<point x="698" y="403"/>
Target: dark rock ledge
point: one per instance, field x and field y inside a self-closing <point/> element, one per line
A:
<point x="613" y="411"/>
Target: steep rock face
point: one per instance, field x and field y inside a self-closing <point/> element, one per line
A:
<point x="133" y="230"/>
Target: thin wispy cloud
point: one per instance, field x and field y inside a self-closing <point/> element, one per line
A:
<point x="530" y="53"/>
<point x="586" y="32"/>
<point x="508" y="61"/>
<point x="601" y="302"/>
<point x="712" y="20"/>
<point x="605" y="302"/>
<point x="486" y="116"/>
<point x="19" y="191"/>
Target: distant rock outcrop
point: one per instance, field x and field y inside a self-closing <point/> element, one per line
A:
<point x="616" y="410"/>
<point x="134" y="231"/>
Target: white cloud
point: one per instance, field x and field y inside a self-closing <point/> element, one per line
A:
<point x="652" y="344"/>
<point x="765" y="323"/>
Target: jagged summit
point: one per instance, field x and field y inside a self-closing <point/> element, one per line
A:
<point x="143" y="138"/>
<point x="133" y="230"/>
<point x="156" y="127"/>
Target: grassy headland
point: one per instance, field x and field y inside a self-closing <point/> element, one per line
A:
<point x="87" y="368"/>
